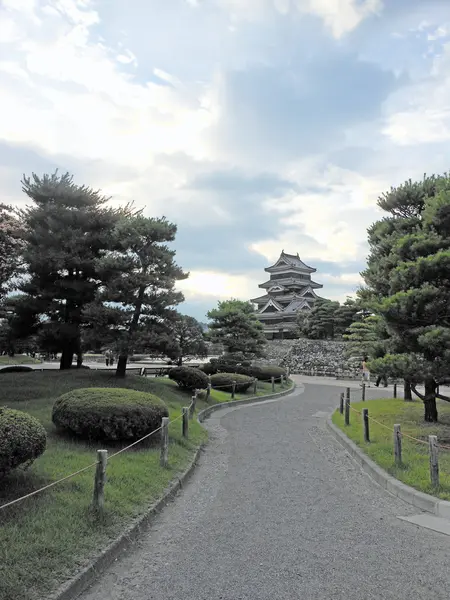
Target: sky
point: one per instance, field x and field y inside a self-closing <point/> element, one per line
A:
<point x="254" y="125"/>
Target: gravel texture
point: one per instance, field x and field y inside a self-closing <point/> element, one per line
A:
<point x="277" y="509"/>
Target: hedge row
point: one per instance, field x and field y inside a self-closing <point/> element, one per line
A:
<point x="261" y="373"/>
<point x="224" y="382"/>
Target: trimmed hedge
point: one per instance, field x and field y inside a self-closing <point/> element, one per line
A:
<point x="16" y="369"/>
<point x="266" y="373"/>
<point x="189" y="378"/>
<point x="224" y="382"/>
<point x="22" y="439"/>
<point x="109" y="413"/>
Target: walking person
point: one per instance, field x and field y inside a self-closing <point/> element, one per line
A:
<point x="365" y="371"/>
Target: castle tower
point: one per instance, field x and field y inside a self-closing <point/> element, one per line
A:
<point x="289" y="290"/>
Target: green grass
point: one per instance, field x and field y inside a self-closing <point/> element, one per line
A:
<point x="414" y="470"/>
<point x="18" y="359"/>
<point x="49" y="537"/>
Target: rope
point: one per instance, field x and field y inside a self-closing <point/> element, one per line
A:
<point x="46" y="487"/>
<point x="134" y="443"/>
<point x="401" y="433"/>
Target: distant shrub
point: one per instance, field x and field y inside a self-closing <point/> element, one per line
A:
<point x="210" y="368"/>
<point x="22" y="439"/>
<point x="224" y="382"/>
<point x="16" y="369"/>
<point x="266" y="373"/>
<point x="109" y="413"/>
<point x="137" y="358"/>
<point x="242" y="370"/>
<point x="189" y="378"/>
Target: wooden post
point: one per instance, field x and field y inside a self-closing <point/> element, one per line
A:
<point x="273" y="383"/>
<point x="395" y="390"/>
<point x="233" y="390"/>
<point x="397" y="444"/>
<point x="363" y="392"/>
<point x="288" y="371"/>
<point x="282" y="380"/>
<point x="434" y="460"/>
<point x="164" y="457"/>
<point x="185" y="422"/>
<point x="347" y="408"/>
<point x="255" y="385"/>
<point x="98" y="500"/>
<point x="208" y="391"/>
<point x="341" y="403"/>
<point x="192" y="407"/>
<point x="365" y="415"/>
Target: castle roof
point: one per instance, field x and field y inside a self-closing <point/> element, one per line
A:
<point x="290" y="261"/>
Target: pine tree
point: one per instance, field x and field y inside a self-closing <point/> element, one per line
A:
<point x="66" y="231"/>
<point x="409" y="273"/>
<point x="185" y="339"/>
<point x="235" y="325"/>
<point x="141" y="274"/>
<point x="10" y="246"/>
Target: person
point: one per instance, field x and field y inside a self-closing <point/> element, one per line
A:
<point x="365" y="371"/>
<point x="381" y="378"/>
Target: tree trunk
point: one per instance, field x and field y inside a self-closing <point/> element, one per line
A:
<point x="66" y="357"/>
<point x="180" y="361"/>
<point x="79" y="360"/>
<point x="121" y="369"/>
<point x="431" y="414"/>
<point x="407" y="391"/>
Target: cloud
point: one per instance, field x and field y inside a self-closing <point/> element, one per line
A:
<point x="255" y="125"/>
<point x="341" y="16"/>
<point x="266" y="114"/>
<point x="421" y="112"/>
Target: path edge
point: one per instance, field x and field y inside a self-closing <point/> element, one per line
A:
<point x="75" y="586"/>
<point x="440" y="508"/>
<point x="206" y="412"/>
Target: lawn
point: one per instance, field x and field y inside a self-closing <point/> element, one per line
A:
<point x="415" y="469"/>
<point x="49" y="537"/>
<point x="18" y="359"/>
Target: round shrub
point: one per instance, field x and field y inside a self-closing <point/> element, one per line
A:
<point x="16" y="369"/>
<point x="266" y="373"/>
<point x="189" y="378"/>
<point x="109" y="413"/>
<point x="22" y="439"/>
<point x="224" y="382"/>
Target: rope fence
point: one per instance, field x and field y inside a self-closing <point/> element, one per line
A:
<point x="103" y="458"/>
<point x="345" y="409"/>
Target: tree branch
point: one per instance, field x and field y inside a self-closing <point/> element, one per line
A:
<point x="421" y="396"/>
<point x="442" y="397"/>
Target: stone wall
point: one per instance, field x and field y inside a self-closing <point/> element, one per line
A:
<point x="324" y="357"/>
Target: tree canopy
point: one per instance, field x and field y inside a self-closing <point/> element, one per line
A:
<point x="409" y="276"/>
<point x="235" y="325"/>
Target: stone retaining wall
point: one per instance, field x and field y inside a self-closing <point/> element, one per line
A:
<point x="322" y="357"/>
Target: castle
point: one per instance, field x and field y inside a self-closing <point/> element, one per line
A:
<point x="289" y="290"/>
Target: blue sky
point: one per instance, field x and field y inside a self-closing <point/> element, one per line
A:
<point x="255" y="125"/>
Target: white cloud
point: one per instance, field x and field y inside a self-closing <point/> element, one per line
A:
<point x="214" y="285"/>
<point x="74" y="98"/>
<point x="426" y="117"/>
<point x="351" y="279"/>
<point x="341" y="16"/>
<point x="334" y="219"/>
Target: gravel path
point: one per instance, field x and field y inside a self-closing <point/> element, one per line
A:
<point x="277" y="510"/>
